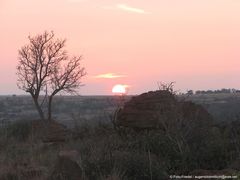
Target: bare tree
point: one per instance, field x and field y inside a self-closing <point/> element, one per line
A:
<point x="44" y="66"/>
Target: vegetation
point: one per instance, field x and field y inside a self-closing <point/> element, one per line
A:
<point x="44" y="65"/>
<point x="106" y="154"/>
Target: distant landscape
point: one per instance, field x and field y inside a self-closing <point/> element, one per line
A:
<point x="65" y="108"/>
<point x="222" y="106"/>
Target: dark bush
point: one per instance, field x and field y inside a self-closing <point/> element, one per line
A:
<point x="19" y="130"/>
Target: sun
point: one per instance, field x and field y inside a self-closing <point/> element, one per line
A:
<point x="119" y="89"/>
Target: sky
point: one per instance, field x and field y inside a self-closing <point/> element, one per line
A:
<point x="137" y="43"/>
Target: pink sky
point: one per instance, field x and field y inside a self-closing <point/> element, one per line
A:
<point x="193" y="42"/>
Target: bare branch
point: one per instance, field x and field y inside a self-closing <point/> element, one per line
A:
<point x="41" y="64"/>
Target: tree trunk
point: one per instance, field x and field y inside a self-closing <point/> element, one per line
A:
<point x="50" y="107"/>
<point x="39" y="109"/>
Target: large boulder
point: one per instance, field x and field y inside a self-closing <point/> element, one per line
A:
<point x="159" y="110"/>
<point x="66" y="166"/>
<point x="50" y="132"/>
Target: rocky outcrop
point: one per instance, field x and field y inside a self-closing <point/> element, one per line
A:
<point x="158" y="109"/>
<point x="50" y="132"/>
<point x="69" y="154"/>
<point x="66" y="167"/>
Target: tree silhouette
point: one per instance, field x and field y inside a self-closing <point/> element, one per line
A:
<point x="44" y="66"/>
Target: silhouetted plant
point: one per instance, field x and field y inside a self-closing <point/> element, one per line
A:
<point x="20" y="130"/>
<point x="44" y="66"/>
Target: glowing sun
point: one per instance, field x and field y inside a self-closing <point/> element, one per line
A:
<point x="119" y="89"/>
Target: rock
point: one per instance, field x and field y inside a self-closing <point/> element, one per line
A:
<point x="196" y="121"/>
<point x="70" y="154"/>
<point x="159" y="109"/>
<point x="50" y="132"/>
<point x="142" y="111"/>
<point x="66" y="167"/>
<point x="195" y="114"/>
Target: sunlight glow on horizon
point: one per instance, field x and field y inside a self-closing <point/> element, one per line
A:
<point x="119" y="89"/>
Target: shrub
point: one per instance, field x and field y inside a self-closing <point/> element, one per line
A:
<point x="19" y="130"/>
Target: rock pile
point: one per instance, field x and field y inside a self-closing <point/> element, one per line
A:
<point x="50" y="132"/>
<point x="66" y="166"/>
<point x="157" y="109"/>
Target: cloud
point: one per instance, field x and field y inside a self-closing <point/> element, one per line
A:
<point x="75" y="1"/>
<point x="125" y="7"/>
<point x="126" y="86"/>
<point x="109" y="76"/>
